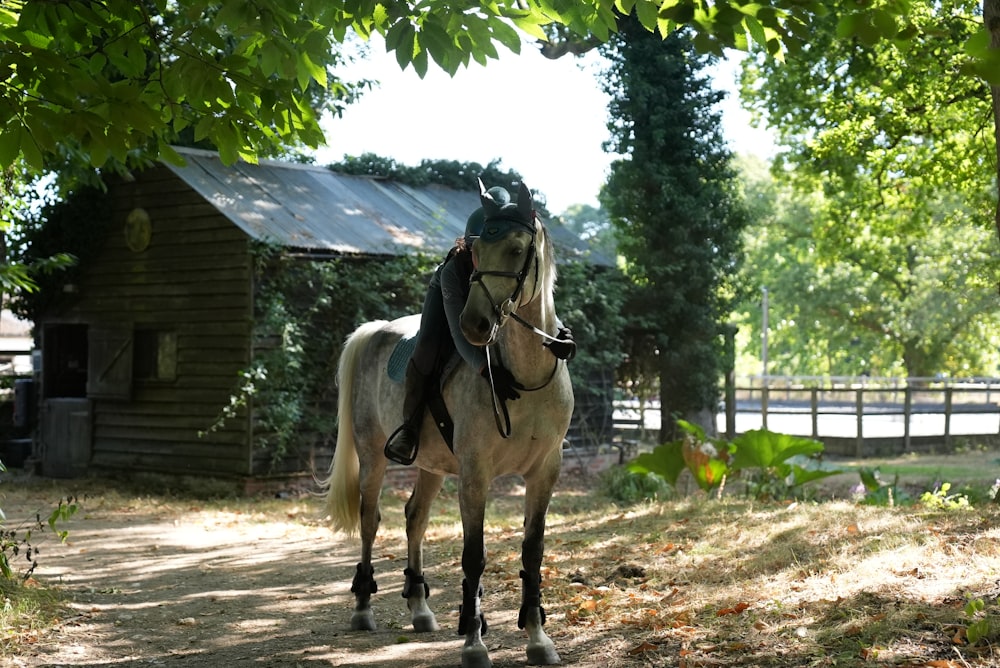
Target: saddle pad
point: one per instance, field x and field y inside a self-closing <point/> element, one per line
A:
<point x="400" y="358"/>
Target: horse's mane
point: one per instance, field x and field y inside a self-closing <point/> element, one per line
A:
<point x="548" y="263"/>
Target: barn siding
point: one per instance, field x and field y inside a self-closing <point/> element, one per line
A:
<point x="194" y="280"/>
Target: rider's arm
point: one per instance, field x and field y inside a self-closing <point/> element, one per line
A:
<point x="455" y="290"/>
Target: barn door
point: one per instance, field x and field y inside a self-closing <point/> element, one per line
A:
<point x="109" y="374"/>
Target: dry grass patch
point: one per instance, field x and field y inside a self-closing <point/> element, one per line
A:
<point x="690" y="582"/>
<point x="736" y="583"/>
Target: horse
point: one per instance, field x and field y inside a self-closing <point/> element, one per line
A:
<point x="490" y="438"/>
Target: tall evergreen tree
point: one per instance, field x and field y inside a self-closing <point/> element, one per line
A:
<point x="675" y="203"/>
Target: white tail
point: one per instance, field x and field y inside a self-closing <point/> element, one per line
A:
<point x="343" y="496"/>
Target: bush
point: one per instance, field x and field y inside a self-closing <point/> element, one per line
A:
<point x="627" y="487"/>
<point x="775" y="465"/>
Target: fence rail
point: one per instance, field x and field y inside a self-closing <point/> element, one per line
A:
<point x="867" y="408"/>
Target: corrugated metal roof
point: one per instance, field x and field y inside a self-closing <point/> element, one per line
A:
<point x="312" y="208"/>
<point x="315" y="209"/>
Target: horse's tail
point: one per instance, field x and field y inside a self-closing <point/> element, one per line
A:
<point x="343" y="496"/>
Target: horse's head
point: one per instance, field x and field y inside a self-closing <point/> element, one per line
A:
<point x="508" y="272"/>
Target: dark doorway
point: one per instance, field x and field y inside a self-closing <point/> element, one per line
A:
<point x="64" y="361"/>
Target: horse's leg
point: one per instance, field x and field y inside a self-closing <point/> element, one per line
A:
<point x="474" y="487"/>
<point x="418" y="512"/>
<point x="364" y="585"/>
<point x="538" y="492"/>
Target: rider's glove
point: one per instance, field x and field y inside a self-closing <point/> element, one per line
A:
<point x="565" y="347"/>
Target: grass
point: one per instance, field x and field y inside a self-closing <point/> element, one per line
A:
<point x="961" y="467"/>
<point x="27" y="610"/>
<point x="697" y="581"/>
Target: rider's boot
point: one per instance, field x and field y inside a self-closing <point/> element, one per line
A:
<point x="403" y="443"/>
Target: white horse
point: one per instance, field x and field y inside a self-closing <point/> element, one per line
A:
<point x="520" y="266"/>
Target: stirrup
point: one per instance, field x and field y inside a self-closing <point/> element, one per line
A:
<point x="404" y="458"/>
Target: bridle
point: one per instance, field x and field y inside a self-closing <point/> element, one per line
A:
<point x="508" y="309"/>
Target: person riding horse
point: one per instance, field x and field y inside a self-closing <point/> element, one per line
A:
<point x="440" y="331"/>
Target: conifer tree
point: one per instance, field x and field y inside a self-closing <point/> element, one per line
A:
<point x="675" y="204"/>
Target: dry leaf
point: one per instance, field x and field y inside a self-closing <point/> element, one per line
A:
<point x="643" y="648"/>
<point x="735" y="610"/>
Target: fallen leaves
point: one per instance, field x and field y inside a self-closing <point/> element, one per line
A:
<point x="737" y="609"/>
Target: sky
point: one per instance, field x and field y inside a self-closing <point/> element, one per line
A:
<point x="549" y="126"/>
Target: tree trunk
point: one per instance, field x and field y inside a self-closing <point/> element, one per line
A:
<point x="991" y="18"/>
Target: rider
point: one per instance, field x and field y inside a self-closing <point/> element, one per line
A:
<point x="441" y="333"/>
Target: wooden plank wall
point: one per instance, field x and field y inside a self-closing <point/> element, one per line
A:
<point x="194" y="279"/>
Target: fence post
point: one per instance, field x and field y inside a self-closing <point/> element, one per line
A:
<point x="730" y="384"/>
<point x="947" y="418"/>
<point x="859" y="411"/>
<point x="907" y="415"/>
<point x="764" y="389"/>
<point x="814" y="409"/>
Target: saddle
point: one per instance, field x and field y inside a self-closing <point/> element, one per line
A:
<point x="399" y="359"/>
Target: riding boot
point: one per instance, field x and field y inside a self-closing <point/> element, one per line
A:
<point x="403" y="443"/>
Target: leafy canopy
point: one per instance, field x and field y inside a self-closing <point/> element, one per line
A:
<point x="112" y="80"/>
<point x="884" y="244"/>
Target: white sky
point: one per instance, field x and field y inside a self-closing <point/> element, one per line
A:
<point x="549" y="127"/>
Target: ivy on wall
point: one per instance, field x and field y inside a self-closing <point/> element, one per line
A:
<point x="304" y="308"/>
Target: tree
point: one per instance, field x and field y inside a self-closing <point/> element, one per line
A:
<point x="110" y="80"/>
<point x="674" y="201"/>
<point x="593" y="226"/>
<point x="893" y="302"/>
<point x="885" y="141"/>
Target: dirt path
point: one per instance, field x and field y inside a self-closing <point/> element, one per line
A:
<point x="180" y="583"/>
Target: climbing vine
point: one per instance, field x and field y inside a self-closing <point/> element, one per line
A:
<point x="304" y="309"/>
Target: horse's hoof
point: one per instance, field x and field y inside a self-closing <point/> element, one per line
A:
<point x="363" y="620"/>
<point x="476" y="656"/>
<point x="543" y="655"/>
<point x="425" y="623"/>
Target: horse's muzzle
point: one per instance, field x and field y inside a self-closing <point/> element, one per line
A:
<point x="479" y="329"/>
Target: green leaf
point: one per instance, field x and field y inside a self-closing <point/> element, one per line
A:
<point x="666" y="461"/>
<point x="869" y="478"/>
<point x="805" y="469"/>
<point x="710" y="473"/>
<point x="762" y="449"/>
<point x="529" y="25"/>
<point x="647" y="13"/>
<point x="10" y="144"/>
<point x="756" y="30"/>
<point x="884" y="22"/>
<point x="678" y="11"/>
<point x="439" y="44"/>
<point x="978" y="44"/>
<point x="308" y="70"/>
<point x="7" y="17"/>
<point x="403" y="42"/>
<point x="29" y="149"/>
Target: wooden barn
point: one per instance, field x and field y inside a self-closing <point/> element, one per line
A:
<point x="145" y="348"/>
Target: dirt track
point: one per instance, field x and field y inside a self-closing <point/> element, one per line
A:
<point x="181" y="583"/>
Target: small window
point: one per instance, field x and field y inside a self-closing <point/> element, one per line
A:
<point x="155" y="355"/>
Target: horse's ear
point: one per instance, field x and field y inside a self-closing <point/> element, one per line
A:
<point x="490" y="205"/>
<point x="524" y="203"/>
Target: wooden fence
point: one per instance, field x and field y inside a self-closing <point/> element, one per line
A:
<point x="883" y="414"/>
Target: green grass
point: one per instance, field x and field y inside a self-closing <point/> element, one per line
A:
<point x="27" y="611"/>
